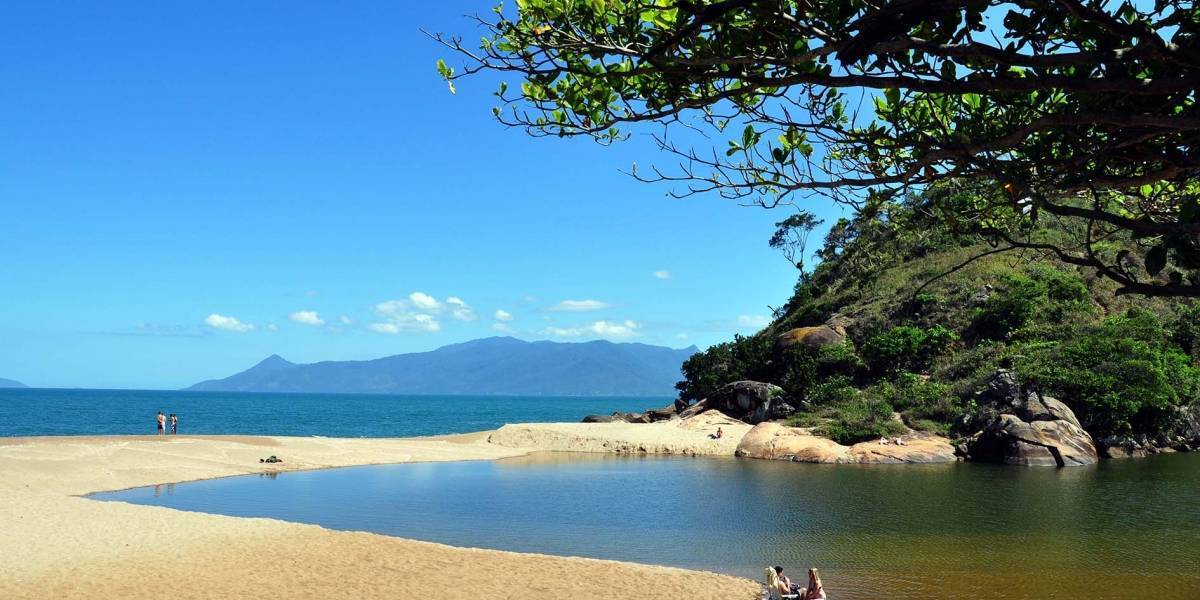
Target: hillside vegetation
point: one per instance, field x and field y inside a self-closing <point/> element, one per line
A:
<point x="923" y="331"/>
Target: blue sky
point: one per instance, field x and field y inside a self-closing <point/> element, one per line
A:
<point x="186" y="190"/>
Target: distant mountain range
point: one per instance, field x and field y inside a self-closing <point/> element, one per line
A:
<point x="490" y="366"/>
<point x="8" y="383"/>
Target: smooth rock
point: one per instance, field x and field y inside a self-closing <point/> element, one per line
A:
<point x="925" y="450"/>
<point x="1009" y="440"/>
<point x="813" y="337"/>
<point x="773" y="441"/>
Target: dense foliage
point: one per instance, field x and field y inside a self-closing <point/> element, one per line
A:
<point x="928" y="324"/>
<point x="1082" y="112"/>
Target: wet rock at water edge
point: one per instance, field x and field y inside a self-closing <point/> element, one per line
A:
<point x="1019" y="426"/>
<point x="1009" y="440"/>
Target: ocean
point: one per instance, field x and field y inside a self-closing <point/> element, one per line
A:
<point x="30" y="412"/>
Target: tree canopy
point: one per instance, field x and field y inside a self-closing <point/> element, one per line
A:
<point x="1080" y="111"/>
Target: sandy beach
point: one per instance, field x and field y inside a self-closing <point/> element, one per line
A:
<point x="57" y="544"/>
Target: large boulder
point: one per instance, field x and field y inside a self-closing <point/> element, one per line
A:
<point x="1009" y="440"/>
<point x="750" y="401"/>
<point x="920" y="448"/>
<point x="773" y="441"/>
<point x="661" y="414"/>
<point x="813" y="337"/>
<point x="777" y="442"/>
<point x="1003" y="393"/>
<point x="1018" y="426"/>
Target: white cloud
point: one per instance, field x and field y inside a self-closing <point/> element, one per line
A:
<point x="682" y="336"/>
<point x="398" y="316"/>
<point x="307" y="317"/>
<point x="345" y="320"/>
<point x="603" y="329"/>
<point x="225" y="323"/>
<point x="579" y="305"/>
<point x="391" y="328"/>
<point x="756" y="321"/>
<point x="502" y="327"/>
<point x="273" y="327"/>
<point x="460" y="310"/>
<point x="663" y="274"/>
<point x="406" y="323"/>
<point x="502" y="315"/>
<point x="424" y="301"/>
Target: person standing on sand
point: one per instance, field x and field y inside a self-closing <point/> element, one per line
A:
<point x="162" y="423"/>
<point x="174" y="424"/>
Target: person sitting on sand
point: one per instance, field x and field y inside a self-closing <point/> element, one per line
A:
<point x="777" y="588"/>
<point x="162" y="423"/>
<point x="785" y="585"/>
<point x="174" y="424"/>
<point x="815" y="590"/>
<point x="718" y="435"/>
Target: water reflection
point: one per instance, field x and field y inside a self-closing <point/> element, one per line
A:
<point x="936" y="531"/>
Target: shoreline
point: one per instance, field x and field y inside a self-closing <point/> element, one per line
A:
<point x="65" y="545"/>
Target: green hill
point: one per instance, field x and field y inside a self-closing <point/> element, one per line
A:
<point x="898" y="318"/>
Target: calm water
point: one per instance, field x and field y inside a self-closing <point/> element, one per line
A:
<point x="1122" y="529"/>
<point x="96" y="412"/>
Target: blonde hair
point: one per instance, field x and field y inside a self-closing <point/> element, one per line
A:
<point x="772" y="578"/>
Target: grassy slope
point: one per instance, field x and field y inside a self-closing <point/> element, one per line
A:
<point x="1124" y="363"/>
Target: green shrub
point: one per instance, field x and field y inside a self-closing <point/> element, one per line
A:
<point x="743" y="358"/>
<point x="805" y="419"/>
<point x="1120" y="377"/>
<point x="1186" y="330"/>
<point x="1041" y="294"/>
<point x="859" y="420"/>
<point x="835" y="390"/>
<point x="918" y="399"/>
<point x="906" y="348"/>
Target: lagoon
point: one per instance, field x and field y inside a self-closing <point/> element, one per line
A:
<point x="1114" y="530"/>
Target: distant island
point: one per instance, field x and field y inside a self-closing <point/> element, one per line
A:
<point x="489" y="366"/>
<point x="9" y="383"/>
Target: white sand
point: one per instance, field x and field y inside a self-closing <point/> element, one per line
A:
<point x="692" y="437"/>
<point x="57" y="545"/>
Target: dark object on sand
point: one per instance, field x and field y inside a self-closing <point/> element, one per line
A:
<point x="270" y="459"/>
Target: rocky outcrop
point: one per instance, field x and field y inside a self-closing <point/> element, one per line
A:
<point x="651" y="416"/>
<point x="773" y="441"/>
<point x="1019" y="426"/>
<point x="599" y="419"/>
<point x="749" y="401"/>
<point x="813" y="337"/>
<point x="915" y="448"/>
<point x="1056" y="443"/>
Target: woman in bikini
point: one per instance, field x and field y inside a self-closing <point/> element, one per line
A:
<point x="815" y="590"/>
